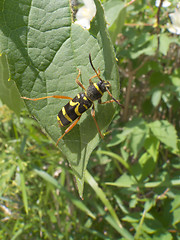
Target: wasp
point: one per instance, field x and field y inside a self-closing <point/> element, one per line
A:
<point x="73" y="110"/>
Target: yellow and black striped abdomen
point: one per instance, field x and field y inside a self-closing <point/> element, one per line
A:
<point x="73" y="109"/>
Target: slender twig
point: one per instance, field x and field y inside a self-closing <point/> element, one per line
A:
<point x="131" y="76"/>
<point x="131" y="73"/>
<point x="138" y="24"/>
<point x="158" y="13"/>
<point x="128" y="92"/>
<point x="157" y="26"/>
<point x="129" y="3"/>
<point x="147" y="58"/>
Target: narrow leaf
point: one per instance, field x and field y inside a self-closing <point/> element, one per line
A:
<point x="23" y="186"/>
<point x="91" y="181"/>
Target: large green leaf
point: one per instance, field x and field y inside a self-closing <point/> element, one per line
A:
<point x="44" y="49"/>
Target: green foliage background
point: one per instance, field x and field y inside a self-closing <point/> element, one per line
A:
<point x="132" y="182"/>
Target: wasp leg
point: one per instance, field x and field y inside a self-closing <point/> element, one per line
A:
<point x="110" y="101"/>
<point x="68" y="129"/>
<point x="97" y="126"/>
<point x="54" y="96"/>
<point x="117" y="101"/>
<point x="78" y="82"/>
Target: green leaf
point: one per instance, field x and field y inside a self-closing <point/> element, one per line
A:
<point x="117" y="138"/>
<point x="7" y="175"/>
<point x="112" y="10"/>
<point x="120" y="183"/>
<point x="124" y="181"/>
<point x="120" y="160"/>
<point x="138" y="134"/>
<point x="8" y="90"/>
<point x="115" y="12"/>
<point x="175" y="81"/>
<point x="144" y="44"/>
<point x="156" y="97"/>
<point x="175" y="203"/>
<point x="44" y="49"/>
<point x="152" y="145"/>
<point x="165" y="41"/>
<point x="147" y="164"/>
<point x="165" y="132"/>
<point x="176" y="216"/>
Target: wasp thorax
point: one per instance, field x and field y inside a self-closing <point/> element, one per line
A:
<point x="103" y="85"/>
<point x="96" y="90"/>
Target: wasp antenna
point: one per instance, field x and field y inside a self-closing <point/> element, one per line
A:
<point x="90" y="60"/>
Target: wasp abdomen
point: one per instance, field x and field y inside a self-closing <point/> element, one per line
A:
<point x="73" y="109"/>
